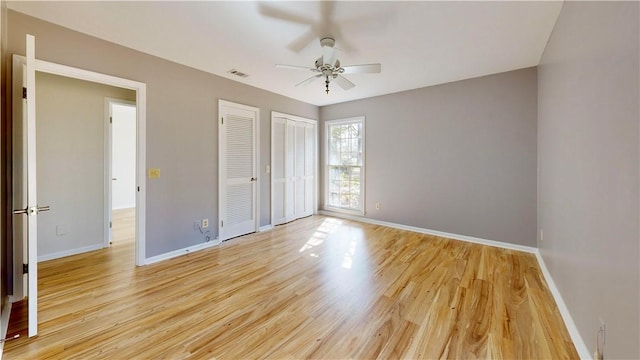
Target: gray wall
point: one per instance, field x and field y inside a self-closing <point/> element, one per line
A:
<point x="70" y="133"/>
<point x="458" y="157"/>
<point x="588" y="157"/>
<point x="182" y="130"/>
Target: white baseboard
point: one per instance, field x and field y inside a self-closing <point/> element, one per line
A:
<point x="4" y="322"/>
<point x="180" y="252"/>
<point x="70" y="252"/>
<point x="580" y="345"/>
<point x="265" y="228"/>
<point x="131" y="206"/>
<point x="475" y="240"/>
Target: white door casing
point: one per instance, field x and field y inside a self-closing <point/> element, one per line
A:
<point x="237" y="162"/>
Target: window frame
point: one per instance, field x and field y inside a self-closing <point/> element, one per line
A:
<point x="327" y="206"/>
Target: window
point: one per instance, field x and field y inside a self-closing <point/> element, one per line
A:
<point x="344" y="172"/>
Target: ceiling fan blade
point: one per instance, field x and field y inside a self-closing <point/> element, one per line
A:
<point x="343" y="82"/>
<point x="295" y="67"/>
<point x="272" y="12"/>
<point x="327" y="9"/>
<point x="362" y="69"/>
<point x="309" y="80"/>
<point x="328" y="55"/>
<point x="303" y="40"/>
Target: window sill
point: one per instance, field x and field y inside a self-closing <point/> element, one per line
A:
<point x="344" y="211"/>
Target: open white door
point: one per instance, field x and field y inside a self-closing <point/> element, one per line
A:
<point x="237" y="169"/>
<point x="25" y="196"/>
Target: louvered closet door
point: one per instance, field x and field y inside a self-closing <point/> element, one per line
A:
<point x="238" y="183"/>
<point x="279" y="178"/>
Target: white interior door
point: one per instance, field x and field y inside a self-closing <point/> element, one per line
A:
<point x="290" y="158"/>
<point x="25" y="189"/>
<point x="278" y="176"/>
<point x="237" y="169"/>
<point x="309" y="178"/>
<point x="298" y="170"/>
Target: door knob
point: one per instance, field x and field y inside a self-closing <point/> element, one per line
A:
<point x="253" y="179"/>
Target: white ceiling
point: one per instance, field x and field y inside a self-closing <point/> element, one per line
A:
<point x="418" y="43"/>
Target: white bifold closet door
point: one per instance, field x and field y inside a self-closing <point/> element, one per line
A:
<point x="294" y="168"/>
<point x="278" y="176"/>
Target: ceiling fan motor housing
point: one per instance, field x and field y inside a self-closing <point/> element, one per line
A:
<point x="327" y="41"/>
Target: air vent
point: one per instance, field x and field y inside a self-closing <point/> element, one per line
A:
<point x="237" y="73"/>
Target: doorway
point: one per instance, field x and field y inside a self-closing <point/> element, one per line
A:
<point x="121" y="175"/>
<point x="25" y="243"/>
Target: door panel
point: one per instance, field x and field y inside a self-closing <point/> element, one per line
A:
<point x="298" y="176"/>
<point x="278" y="129"/>
<point x="32" y="232"/>
<point x="238" y="181"/>
<point x="19" y="190"/>
<point x="289" y="196"/>
<point x="309" y="169"/>
<point x="294" y="166"/>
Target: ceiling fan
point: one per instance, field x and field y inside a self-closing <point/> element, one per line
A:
<point x="328" y="67"/>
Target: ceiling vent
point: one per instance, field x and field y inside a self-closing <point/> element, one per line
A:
<point x="237" y="73"/>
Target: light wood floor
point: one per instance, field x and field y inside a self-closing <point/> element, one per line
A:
<point x="319" y="287"/>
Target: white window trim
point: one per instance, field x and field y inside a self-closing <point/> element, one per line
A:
<point x="328" y="207"/>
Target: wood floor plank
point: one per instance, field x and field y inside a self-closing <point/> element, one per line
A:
<point x="318" y="287"/>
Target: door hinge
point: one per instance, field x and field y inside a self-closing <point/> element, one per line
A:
<point x="110" y="224"/>
<point x="221" y="223"/>
<point x="110" y="119"/>
<point x="221" y="119"/>
<point x="138" y="188"/>
<point x="24" y="92"/>
<point x="25" y="268"/>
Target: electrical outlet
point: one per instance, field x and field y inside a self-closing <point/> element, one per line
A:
<point x="377" y="206"/>
<point x="205" y="223"/>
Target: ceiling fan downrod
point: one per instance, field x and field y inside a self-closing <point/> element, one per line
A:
<point x="327" y="85"/>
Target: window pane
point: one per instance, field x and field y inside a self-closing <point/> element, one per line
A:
<point x="344" y="165"/>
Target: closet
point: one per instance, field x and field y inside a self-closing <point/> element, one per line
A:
<point x="293" y="172"/>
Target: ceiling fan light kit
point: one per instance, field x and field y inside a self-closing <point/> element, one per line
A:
<point x="328" y="67"/>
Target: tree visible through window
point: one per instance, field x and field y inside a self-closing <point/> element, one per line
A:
<point x="345" y="164"/>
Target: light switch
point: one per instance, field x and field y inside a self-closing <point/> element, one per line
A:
<point x="154" y="173"/>
<point x="267" y="169"/>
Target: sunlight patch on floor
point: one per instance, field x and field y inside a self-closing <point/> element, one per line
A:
<point x="347" y="260"/>
<point x="327" y="227"/>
